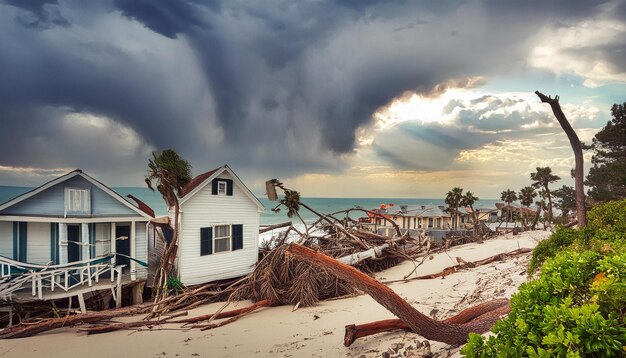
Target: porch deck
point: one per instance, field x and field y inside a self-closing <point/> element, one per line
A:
<point x="20" y="282"/>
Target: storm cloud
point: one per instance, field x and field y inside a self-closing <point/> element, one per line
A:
<point x="274" y="88"/>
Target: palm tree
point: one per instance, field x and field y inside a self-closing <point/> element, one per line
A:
<point x="526" y="197"/>
<point x="541" y="178"/>
<point x="169" y="173"/>
<point x="541" y="205"/>
<point x="468" y="200"/>
<point x="453" y="200"/>
<point x="508" y="196"/>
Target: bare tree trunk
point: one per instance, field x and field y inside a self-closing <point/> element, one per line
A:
<point x="418" y="322"/>
<point x="581" y="210"/>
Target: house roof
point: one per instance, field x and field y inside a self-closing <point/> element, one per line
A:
<point x="193" y="183"/>
<point x="196" y="184"/>
<point x="62" y="178"/>
<point x="141" y="205"/>
<point x="416" y="210"/>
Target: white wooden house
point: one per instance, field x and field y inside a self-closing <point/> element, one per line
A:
<point x="70" y="236"/>
<point x="219" y="228"/>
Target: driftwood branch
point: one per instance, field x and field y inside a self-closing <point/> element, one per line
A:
<point x="275" y="226"/>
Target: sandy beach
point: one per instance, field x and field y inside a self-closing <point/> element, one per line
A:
<point x="312" y="331"/>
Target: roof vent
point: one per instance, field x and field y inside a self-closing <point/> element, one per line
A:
<point x="403" y="208"/>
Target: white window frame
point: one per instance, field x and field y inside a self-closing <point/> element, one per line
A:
<point x="219" y="187"/>
<point x="229" y="238"/>
<point x="85" y="201"/>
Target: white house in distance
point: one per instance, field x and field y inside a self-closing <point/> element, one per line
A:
<point x="219" y="228"/>
<point x="71" y="236"/>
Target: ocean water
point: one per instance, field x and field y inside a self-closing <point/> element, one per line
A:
<point x="321" y="205"/>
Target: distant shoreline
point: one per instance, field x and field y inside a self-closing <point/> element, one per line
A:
<point x="323" y="205"/>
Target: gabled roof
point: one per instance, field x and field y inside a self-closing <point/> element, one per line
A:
<point x="196" y="184"/>
<point x="193" y="183"/>
<point x="68" y="176"/>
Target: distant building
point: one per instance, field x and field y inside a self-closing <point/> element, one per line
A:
<point x="418" y="216"/>
<point x="514" y="211"/>
<point x="434" y="219"/>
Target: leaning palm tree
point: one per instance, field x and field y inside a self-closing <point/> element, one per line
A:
<point x="468" y="200"/>
<point x="453" y="200"/>
<point x="508" y="196"/>
<point x="169" y="173"/>
<point x="541" y="179"/>
<point x="526" y="197"/>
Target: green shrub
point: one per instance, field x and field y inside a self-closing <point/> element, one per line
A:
<point x="561" y="239"/>
<point x="577" y="305"/>
<point x="175" y="285"/>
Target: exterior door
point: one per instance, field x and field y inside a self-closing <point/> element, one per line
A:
<point x="122" y="245"/>
<point x="73" y="243"/>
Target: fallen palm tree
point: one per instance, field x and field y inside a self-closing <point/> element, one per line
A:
<point x="451" y="333"/>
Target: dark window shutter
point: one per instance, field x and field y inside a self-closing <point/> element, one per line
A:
<point x="237" y="237"/>
<point x="92" y="240"/>
<point x="206" y="241"/>
<point x="22" y="239"/>
<point x="229" y="187"/>
<point x="214" y="187"/>
<point x="15" y="242"/>
<point x="54" y="243"/>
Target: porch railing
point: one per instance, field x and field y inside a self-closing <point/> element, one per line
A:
<point x="15" y="276"/>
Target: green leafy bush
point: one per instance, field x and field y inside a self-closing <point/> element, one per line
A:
<point x="175" y="285"/>
<point x="577" y="305"/>
<point x="605" y="232"/>
<point x="561" y="239"/>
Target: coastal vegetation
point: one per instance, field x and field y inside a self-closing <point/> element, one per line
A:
<point x="542" y="178"/>
<point x="453" y="200"/>
<point x="577" y="305"/>
<point x="607" y="176"/>
<point x="526" y="197"/>
<point x="508" y="196"/>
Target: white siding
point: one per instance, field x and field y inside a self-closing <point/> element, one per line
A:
<point x="205" y="209"/>
<point x="103" y="239"/>
<point x="141" y="248"/>
<point x="6" y="239"/>
<point x="38" y="243"/>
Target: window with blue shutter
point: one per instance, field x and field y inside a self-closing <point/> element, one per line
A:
<point x="206" y="241"/>
<point x="237" y="237"/>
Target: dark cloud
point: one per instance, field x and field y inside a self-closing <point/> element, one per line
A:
<point x="44" y="13"/>
<point x="274" y="89"/>
<point x="167" y="17"/>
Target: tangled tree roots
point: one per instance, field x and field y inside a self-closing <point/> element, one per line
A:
<point x="281" y="280"/>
